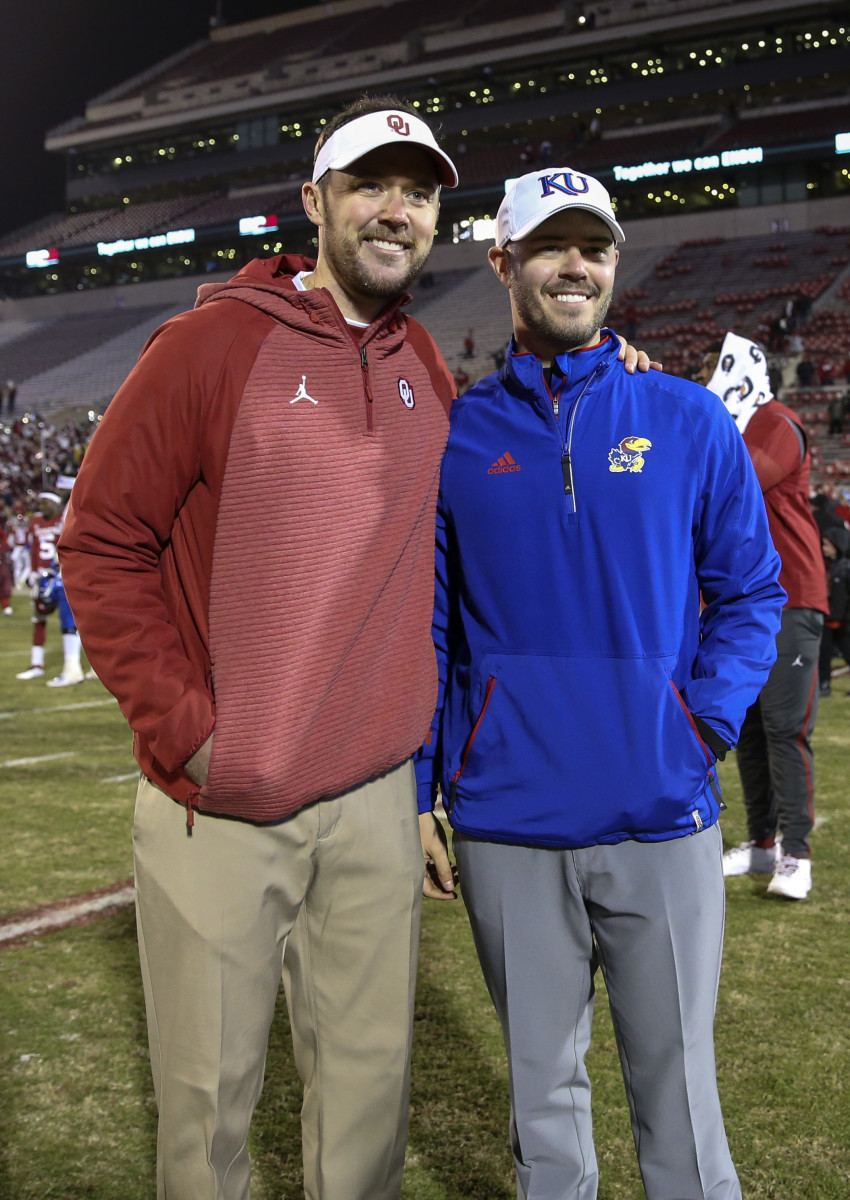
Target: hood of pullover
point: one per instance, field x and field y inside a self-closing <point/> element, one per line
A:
<point x="267" y="284"/>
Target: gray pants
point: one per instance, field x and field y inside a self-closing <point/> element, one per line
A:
<point x="650" y="914"/>
<point x="775" y="759"/>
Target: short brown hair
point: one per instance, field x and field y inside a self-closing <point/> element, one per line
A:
<point x="361" y="107"/>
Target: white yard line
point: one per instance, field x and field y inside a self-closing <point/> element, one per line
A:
<point x="27" y="712"/>
<point x="120" y="778"/>
<point x="32" y="762"/>
<point x="65" y="913"/>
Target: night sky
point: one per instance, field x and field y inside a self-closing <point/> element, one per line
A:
<point x="57" y="54"/>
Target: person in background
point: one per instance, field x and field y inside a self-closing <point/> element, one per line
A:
<point x="48" y="595"/>
<point x="584" y="700"/>
<point x="827" y="371"/>
<point x="805" y="372"/>
<point x="836" y="415"/>
<point x="7" y="582"/>
<point x="461" y="379"/>
<point x="835" y="546"/>
<point x="18" y="526"/>
<point x="775" y="759"/>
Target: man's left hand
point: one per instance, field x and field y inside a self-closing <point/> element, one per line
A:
<point x="635" y="359"/>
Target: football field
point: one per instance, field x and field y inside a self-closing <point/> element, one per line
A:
<point x="76" y="1101"/>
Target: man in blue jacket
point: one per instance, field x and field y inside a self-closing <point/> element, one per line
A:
<point x="585" y="699"/>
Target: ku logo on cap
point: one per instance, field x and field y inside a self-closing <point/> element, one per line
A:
<point x="398" y="124"/>
<point x="573" y="185"/>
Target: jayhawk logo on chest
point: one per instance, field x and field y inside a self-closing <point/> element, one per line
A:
<point x="628" y="456"/>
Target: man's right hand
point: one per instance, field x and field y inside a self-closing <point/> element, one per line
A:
<point x="198" y="766"/>
<point x="440" y="878"/>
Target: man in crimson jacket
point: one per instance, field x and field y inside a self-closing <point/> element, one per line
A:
<point x="775" y="758"/>
<point x="282" y="744"/>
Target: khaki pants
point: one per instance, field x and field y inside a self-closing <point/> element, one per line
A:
<point x="330" y="899"/>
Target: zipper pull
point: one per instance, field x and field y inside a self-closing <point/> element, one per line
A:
<point x="364" y="363"/>
<point x="567" y="472"/>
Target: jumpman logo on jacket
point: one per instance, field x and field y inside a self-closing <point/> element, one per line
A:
<point x="302" y="393"/>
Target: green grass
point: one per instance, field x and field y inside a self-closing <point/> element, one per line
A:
<point x="65" y="825"/>
<point x="76" y="1101"/>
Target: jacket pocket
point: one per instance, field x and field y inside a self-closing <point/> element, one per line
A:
<point x="710" y="756"/>
<point x="571" y="751"/>
<point x="470" y="741"/>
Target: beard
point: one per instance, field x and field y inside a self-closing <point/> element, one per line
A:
<point x="343" y="253"/>
<point x="564" y="332"/>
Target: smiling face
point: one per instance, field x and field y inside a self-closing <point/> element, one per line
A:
<point x="376" y="224"/>
<point x="561" y="279"/>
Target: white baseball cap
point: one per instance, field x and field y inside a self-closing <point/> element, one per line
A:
<point x="535" y="197"/>
<point x="356" y="138"/>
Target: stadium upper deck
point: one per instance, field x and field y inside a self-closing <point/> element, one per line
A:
<point x="679" y="106"/>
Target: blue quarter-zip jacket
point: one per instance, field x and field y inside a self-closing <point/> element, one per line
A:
<point x="583" y="696"/>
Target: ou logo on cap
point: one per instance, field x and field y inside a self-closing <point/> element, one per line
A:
<point x="398" y="124"/>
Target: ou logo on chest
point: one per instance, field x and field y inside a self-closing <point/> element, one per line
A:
<point x="406" y="393"/>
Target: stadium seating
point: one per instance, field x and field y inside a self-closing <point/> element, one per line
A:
<point x="77" y="359"/>
<point x="785" y="123"/>
<point x="285" y="198"/>
<point x="698" y="291"/>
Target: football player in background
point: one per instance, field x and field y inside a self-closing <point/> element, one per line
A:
<point x="6" y="543"/>
<point x="49" y="595"/>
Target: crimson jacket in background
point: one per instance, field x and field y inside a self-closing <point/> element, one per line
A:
<point x="775" y="448"/>
<point x="249" y="547"/>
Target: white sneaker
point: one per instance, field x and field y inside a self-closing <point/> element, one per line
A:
<point x="7" y="611"/>
<point x="792" y="878"/>
<point x="31" y="673"/>
<point x="749" y="857"/>
<point x="92" y="674"/>
<point x="66" y="680"/>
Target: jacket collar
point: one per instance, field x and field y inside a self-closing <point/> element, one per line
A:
<point x="266" y="284"/>
<point x="525" y="371"/>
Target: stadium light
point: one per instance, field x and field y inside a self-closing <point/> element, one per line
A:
<point x="42" y="258"/>
<point x="262" y="224"/>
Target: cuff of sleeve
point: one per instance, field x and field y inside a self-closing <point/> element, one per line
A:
<point x="426" y="796"/>
<point x="711" y="738"/>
